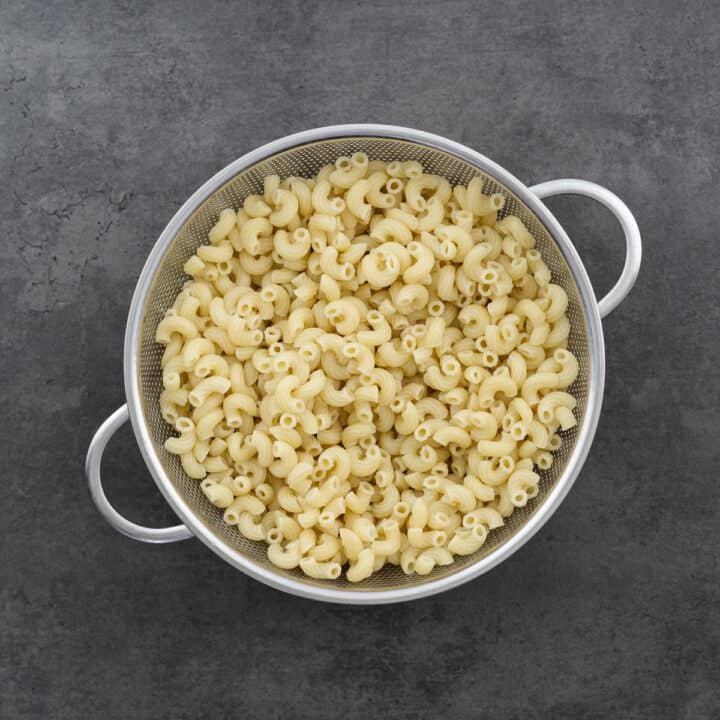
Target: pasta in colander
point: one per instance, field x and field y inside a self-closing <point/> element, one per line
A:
<point x="367" y="367"/>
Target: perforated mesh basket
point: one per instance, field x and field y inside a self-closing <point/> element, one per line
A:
<point x="304" y="154"/>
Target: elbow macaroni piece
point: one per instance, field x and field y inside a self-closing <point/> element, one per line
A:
<point x="368" y="367"/>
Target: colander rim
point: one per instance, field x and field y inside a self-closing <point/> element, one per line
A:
<point x="539" y="516"/>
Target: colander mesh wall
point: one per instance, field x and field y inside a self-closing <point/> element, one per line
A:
<point x="306" y="160"/>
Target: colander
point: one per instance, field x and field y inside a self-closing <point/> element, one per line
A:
<point x="304" y="154"/>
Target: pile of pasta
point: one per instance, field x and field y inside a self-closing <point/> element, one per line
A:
<point x="367" y="367"/>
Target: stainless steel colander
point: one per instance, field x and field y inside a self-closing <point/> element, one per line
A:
<point x="304" y="154"/>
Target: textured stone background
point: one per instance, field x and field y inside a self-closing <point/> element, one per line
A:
<point x="110" y="116"/>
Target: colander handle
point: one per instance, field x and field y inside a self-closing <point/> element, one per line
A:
<point x="633" y="253"/>
<point x="113" y="517"/>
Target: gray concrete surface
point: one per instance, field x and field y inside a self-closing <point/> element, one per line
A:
<point x="111" y="115"/>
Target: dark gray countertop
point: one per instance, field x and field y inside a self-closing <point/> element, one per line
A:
<point x="111" y="116"/>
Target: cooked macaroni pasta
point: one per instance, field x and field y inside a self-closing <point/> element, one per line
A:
<point x="367" y="368"/>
